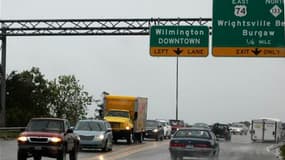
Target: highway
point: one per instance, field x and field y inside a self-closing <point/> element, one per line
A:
<point x="240" y="148"/>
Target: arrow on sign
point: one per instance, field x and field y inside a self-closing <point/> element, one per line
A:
<point x="256" y="51"/>
<point x="178" y="51"/>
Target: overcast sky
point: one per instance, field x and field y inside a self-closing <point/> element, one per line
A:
<point x="211" y="89"/>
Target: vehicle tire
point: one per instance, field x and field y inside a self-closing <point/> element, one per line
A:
<point x="110" y="148"/>
<point x="21" y="155"/>
<point x="37" y="157"/>
<point x="140" y="137"/>
<point x="115" y="140"/>
<point x="73" y="155"/>
<point x="161" y="137"/>
<point x="105" y="148"/>
<point x="62" y="154"/>
<point x="130" y="139"/>
<point x="173" y="157"/>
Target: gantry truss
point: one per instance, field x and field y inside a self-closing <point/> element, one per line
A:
<point x="91" y="26"/>
<point x="80" y="27"/>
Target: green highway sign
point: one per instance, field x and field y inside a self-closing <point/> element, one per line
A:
<point x="248" y="28"/>
<point x="191" y="41"/>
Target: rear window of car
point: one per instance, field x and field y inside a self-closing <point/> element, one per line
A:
<point x="192" y="134"/>
<point x="222" y="126"/>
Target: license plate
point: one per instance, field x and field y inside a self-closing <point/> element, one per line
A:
<point x="38" y="147"/>
<point x="189" y="146"/>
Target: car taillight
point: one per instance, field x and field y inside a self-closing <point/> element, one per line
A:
<point x="202" y="145"/>
<point x="182" y="145"/>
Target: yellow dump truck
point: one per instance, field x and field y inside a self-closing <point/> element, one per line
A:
<point x="127" y="116"/>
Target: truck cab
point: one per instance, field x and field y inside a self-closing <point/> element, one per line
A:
<point x="127" y="116"/>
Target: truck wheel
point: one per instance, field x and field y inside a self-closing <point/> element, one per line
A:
<point x="140" y="138"/>
<point x="130" y="138"/>
<point x="22" y="155"/>
<point x="161" y="137"/>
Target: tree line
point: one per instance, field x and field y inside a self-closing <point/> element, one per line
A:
<point x="29" y="94"/>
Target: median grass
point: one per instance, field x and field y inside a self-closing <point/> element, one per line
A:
<point x="9" y="134"/>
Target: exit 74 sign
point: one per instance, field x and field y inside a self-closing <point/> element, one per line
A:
<point x="248" y="28"/>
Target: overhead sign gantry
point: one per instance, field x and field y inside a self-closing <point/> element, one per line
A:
<point x="79" y="27"/>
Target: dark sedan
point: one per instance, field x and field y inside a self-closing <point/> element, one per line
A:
<point x="154" y="129"/>
<point x="194" y="143"/>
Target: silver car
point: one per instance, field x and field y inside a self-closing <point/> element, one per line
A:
<point x="95" y="134"/>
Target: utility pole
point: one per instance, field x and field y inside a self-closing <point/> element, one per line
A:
<point x="177" y="87"/>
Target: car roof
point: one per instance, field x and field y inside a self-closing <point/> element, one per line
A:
<point x="162" y="120"/>
<point x="48" y="118"/>
<point x="91" y="120"/>
<point x="195" y="128"/>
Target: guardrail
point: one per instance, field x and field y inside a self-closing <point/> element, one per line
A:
<point x="11" y="128"/>
<point x="7" y="133"/>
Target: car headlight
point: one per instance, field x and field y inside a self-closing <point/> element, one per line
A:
<point x="100" y="137"/>
<point x="55" y="139"/>
<point x="22" y="139"/>
<point x="155" y="130"/>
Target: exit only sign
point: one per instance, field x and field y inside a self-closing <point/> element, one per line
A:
<point x="248" y="28"/>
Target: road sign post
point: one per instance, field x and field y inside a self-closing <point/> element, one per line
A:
<point x="248" y="28"/>
<point x="182" y="41"/>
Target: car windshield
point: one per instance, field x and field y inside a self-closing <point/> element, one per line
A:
<point x="151" y="124"/>
<point x="89" y="126"/>
<point x="192" y="134"/>
<point x="45" y="125"/>
<point x="118" y="114"/>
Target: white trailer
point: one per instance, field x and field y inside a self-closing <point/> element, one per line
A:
<point x="266" y="130"/>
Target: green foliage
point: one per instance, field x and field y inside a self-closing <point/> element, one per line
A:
<point x="282" y="151"/>
<point x="27" y="96"/>
<point x="70" y="101"/>
<point x="9" y="134"/>
<point x="30" y="95"/>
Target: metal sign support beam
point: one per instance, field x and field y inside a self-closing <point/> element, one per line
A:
<point x="3" y="81"/>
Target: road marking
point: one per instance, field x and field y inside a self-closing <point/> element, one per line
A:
<point x="126" y="151"/>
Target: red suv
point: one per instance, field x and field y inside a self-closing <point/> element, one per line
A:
<point x="48" y="137"/>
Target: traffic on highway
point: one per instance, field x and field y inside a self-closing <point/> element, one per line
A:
<point x="240" y="147"/>
<point x="182" y="88"/>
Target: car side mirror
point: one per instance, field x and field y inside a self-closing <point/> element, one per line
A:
<point x="70" y="130"/>
<point x="23" y="129"/>
<point x="109" y="129"/>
